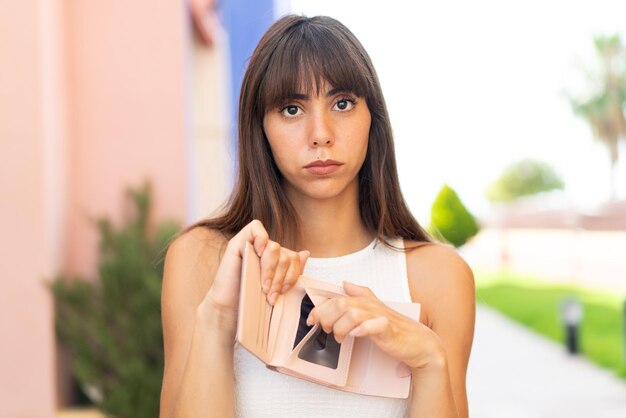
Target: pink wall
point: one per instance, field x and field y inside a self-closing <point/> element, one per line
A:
<point x="126" y="94"/>
<point x="26" y="333"/>
<point x="92" y="100"/>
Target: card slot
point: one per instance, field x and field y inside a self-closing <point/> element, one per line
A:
<point x="306" y="305"/>
<point x="328" y="365"/>
<point x="251" y="305"/>
<point x="267" y="325"/>
<point x="273" y="326"/>
<point x="264" y="324"/>
<point x="321" y="348"/>
<point x="319" y="296"/>
<point x="259" y="325"/>
<point x="310" y="299"/>
<point x="305" y="340"/>
<point x="313" y="344"/>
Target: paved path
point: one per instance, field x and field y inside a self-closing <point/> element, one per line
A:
<point x="515" y="373"/>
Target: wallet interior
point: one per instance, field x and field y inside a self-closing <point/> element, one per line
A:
<point x="312" y="351"/>
<point x="320" y="348"/>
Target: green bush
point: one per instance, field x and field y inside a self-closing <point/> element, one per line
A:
<point x="523" y="178"/>
<point x="450" y="220"/>
<point x="112" y="325"/>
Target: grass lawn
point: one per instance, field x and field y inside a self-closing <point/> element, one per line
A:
<point x="536" y="304"/>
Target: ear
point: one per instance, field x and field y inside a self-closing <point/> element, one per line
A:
<point x="356" y="290"/>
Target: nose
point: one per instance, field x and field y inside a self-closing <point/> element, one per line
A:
<point x="321" y="132"/>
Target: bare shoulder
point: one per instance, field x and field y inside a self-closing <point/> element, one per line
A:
<point x="191" y="262"/>
<point x="439" y="279"/>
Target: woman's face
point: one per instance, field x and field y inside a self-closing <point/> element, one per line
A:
<point x="319" y="143"/>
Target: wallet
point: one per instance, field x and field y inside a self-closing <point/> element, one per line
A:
<point x="279" y="336"/>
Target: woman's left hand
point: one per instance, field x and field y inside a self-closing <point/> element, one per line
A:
<point x="361" y="314"/>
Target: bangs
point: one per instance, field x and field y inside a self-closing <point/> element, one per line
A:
<point x="306" y="58"/>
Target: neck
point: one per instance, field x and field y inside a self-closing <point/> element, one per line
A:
<point x="331" y="227"/>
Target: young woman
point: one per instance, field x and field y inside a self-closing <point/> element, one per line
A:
<point x="318" y="194"/>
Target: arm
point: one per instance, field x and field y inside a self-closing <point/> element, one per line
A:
<point x="198" y="352"/>
<point x="436" y="350"/>
<point x="200" y="300"/>
<point x="207" y="385"/>
<point x="444" y="285"/>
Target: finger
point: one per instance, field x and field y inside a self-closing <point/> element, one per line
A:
<point x="258" y="236"/>
<point x="293" y="272"/>
<point x="328" y="313"/>
<point x="346" y="323"/>
<point x="304" y="257"/>
<point x="356" y="290"/>
<point x="226" y="285"/>
<point x="269" y="261"/>
<point x="374" y="326"/>
<point x="279" y="275"/>
<point x="254" y="233"/>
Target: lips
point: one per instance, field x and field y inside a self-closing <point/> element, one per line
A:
<point x="321" y="168"/>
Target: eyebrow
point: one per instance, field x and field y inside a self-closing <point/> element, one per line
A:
<point x="331" y="92"/>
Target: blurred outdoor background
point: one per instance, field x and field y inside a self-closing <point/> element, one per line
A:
<point x="117" y="128"/>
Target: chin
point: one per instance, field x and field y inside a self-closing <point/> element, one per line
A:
<point x="324" y="190"/>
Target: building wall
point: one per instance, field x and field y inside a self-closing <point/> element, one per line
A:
<point x="126" y="92"/>
<point x="94" y="97"/>
<point x="593" y="259"/>
<point x="212" y="159"/>
<point x="31" y="127"/>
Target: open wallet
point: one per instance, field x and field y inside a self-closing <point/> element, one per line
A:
<point x="279" y="336"/>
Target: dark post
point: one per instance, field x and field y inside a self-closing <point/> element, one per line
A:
<point x="572" y="314"/>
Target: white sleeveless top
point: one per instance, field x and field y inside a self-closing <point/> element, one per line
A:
<point x="260" y="392"/>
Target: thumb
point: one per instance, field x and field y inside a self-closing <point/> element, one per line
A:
<point x="304" y="256"/>
<point x="356" y="290"/>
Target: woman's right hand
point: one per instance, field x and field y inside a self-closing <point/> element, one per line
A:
<point x="280" y="269"/>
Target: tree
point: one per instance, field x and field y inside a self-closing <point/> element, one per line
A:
<point x="604" y="107"/>
<point x="112" y="325"/>
<point x="523" y="178"/>
<point x="450" y="220"/>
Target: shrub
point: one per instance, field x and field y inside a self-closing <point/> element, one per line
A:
<point x="112" y="325"/>
<point x="524" y="178"/>
<point x="450" y="220"/>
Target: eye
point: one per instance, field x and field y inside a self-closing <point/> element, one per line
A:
<point x="290" y="111"/>
<point x="344" y="104"/>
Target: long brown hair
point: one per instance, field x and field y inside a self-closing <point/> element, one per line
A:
<point x="297" y="54"/>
